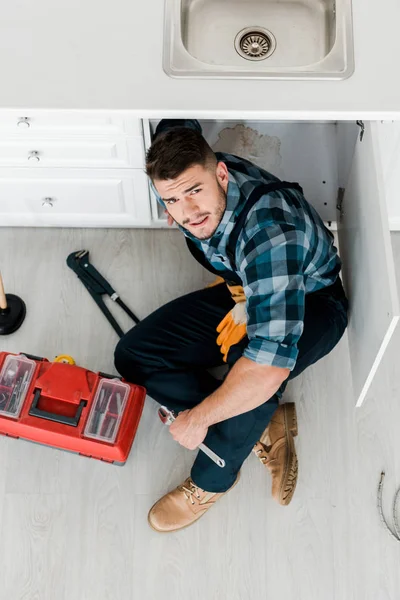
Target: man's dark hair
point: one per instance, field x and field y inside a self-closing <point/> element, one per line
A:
<point x="175" y="150"/>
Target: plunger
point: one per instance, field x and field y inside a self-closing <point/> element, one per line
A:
<point x="12" y="311"/>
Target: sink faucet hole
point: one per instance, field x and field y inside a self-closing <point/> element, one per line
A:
<point x="255" y="43"/>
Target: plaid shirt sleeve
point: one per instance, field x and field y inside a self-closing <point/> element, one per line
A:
<point x="271" y="263"/>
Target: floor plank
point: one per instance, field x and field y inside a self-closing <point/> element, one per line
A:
<point x="33" y="546"/>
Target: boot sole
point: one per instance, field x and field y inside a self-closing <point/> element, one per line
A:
<point x="193" y="522"/>
<point x="286" y="491"/>
<point x="291" y="418"/>
<point x="289" y="478"/>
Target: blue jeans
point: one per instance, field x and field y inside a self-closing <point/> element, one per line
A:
<point x="170" y="351"/>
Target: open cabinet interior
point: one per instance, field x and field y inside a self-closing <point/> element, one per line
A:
<point x="336" y="163"/>
<point x="315" y="154"/>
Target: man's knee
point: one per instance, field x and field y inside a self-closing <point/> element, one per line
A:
<point x="128" y="359"/>
<point x="134" y="359"/>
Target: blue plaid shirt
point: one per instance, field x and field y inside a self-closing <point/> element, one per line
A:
<point x="283" y="253"/>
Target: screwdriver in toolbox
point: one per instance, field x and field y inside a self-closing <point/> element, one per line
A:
<point x="167" y="417"/>
<point x="17" y="393"/>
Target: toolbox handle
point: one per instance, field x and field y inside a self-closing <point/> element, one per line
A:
<point x="44" y="414"/>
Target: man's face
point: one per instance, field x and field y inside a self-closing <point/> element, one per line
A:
<point x="196" y="199"/>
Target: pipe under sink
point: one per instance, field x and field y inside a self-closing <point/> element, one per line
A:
<point x="276" y="39"/>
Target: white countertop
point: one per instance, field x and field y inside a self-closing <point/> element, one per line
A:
<point x="102" y="54"/>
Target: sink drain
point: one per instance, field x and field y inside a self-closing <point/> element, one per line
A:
<point x="255" y="43"/>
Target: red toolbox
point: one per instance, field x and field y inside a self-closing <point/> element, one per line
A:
<point x="68" y="407"/>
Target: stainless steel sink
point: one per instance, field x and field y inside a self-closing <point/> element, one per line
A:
<point x="258" y="39"/>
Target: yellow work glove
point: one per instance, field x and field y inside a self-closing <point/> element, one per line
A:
<point x="233" y="328"/>
<point x="216" y="281"/>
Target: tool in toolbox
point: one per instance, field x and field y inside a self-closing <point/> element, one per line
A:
<point x="168" y="416"/>
<point x="97" y="286"/>
<point x="68" y="407"/>
<point x="12" y="311"/>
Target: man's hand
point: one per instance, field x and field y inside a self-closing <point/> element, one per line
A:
<point x="187" y="430"/>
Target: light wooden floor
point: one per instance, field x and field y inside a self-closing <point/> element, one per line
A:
<point x="76" y="529"/>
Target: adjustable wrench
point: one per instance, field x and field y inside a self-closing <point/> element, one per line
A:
<point x="168" y="417"/>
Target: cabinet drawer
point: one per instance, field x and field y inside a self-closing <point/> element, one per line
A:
<point x="91" y="153"/>
<point x="72" y="197"/>
<point x="68" y="123"/>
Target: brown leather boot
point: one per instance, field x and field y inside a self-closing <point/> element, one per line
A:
<point x="182" y="507"/>
<point x="277" y="452"/>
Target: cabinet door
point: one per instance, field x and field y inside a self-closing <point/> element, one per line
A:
<point x="389" y="147"/>
<point x="368" y="268"/>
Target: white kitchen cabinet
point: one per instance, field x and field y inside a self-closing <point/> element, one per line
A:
<point x="334" y="167"/>
<point x="74" y="198"/>
<point x="72" y="169"/>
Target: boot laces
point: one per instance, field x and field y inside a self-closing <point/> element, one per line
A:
<point x="262" y="454"/>
<point x="190" y="490"/>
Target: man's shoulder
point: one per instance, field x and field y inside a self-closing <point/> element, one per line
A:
<point x="243" y="166"/>
<point x="269" y="217"/>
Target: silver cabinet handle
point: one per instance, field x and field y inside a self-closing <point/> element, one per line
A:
<point x="48" y="202"/>
<point x="34" y="155"/>
<point x="23" y="123"/>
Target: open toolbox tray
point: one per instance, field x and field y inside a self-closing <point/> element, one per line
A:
<point x="68" y="407"/>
